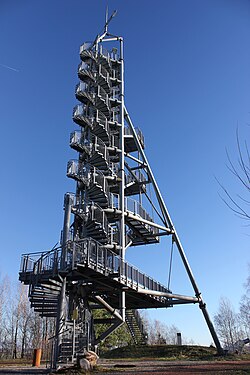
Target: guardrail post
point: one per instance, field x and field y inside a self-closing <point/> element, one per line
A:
<point x="73" y="255"/>
<point x="68" y="202"/>
<point x="88" y="248"/>
<point x="105" y="260"/>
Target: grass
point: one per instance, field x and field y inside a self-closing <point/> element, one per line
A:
<point x="15" y="362"/>
<point x="18" y="362"/>
<point x="170" y="353"/>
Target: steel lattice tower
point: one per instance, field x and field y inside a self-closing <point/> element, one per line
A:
<point x="89" y="269"/>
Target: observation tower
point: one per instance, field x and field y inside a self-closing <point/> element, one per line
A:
<point x="110" y="211"/>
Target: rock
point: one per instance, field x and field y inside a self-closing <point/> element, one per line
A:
<point x="83" y="364"/>
<point x="87" y="360"/>
<point x="92" y="357"/>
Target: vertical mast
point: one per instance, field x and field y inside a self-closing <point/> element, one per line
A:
<point x="122" y="172"/>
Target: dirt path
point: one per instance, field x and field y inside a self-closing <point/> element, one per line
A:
<point x="23" y="370"/>
<point x="116" y="367"/>
<point x="174" y="367"/>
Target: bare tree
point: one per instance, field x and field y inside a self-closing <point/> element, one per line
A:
<point x="156" y="333"/>
<point x="4" y="292"/>
<point x="160" y="333"/>
<point x="24" y="319"/>
<point x="171" y="337"/>
<point x="19" y="318"/>
<point x="227" y="324"/>
<point x="245" y="307"/>
<point x="239" y="203"/>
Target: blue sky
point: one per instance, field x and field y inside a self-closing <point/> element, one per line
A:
<point x="187" y="86"/>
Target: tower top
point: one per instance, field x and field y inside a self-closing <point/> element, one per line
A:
<point x="108" y="20"/>
<point x="104" y="33"/>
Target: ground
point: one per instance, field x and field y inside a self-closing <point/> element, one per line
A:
<point x="159" y="360"/>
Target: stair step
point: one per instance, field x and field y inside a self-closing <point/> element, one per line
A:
<point x="51" y="287"/>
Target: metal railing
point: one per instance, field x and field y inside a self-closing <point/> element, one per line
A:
<point x="115" y="93"/>
<point x="134" y="207"/>
<point x="103" y="95"/>
<point x="98" y="177"/>
<point x="93" y="115"/>
<point x="76" y="170"/>
<point x="103" y="72"/>
<point x="84" y="110"/>
<point x="127" y="131"/>
<point x="99" y="146"/>
<point x="49" y="262"/>
<point x="28" y="261"/>
<point x="131" y="205"/>
<point x="93" y="70"/>
<point x="116" y="74"/>
<point x="139" y="322"/>
<point x="90" y="253"/>
<point x="97" y="214"/>
<point x="38" y="263"/>
<point x="86" y="88"/>
<point x="103" y="52"/>
<point x="88" y="176"/>
<point x="92" y="91"/>
<point x="115" y="141"/>
<point x="115" y="115"/>
<point x="135" y="322"/>
<point x="77" y="141"/>
<point x="137" y="177"/>
<point x="86" y="46"/>
<point x="109" y="54"/>
<point x="89" y="69"/>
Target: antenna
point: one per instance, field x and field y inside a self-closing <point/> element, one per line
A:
<point x="108" y="20"/>
<point x="105" y="29"/>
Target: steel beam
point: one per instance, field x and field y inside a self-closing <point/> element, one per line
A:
<point x="168" y="295"/>
<point x="122" y="176"/>
<point x="175" y="236"/>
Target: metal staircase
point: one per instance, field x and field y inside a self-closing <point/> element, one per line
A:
<point x="136" y="328"/>
<point x="87" y="116"/>
<point x="110" y="212"/>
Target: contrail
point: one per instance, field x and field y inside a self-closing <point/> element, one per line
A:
<point x="9" y="67"/>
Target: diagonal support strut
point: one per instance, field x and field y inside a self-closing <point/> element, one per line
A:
<point x="176" y="239"/>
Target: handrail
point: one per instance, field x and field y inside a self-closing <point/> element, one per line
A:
<point x="137" y="176"/>
<point x="115" y="93"/>
<point x="103" y="260"/>
<point x="127" y="131"/>
<point x="92" y="254"/>
<point x="103" y="52"/>
<point x="84" y="110"/>
<point x="85" y="66"/>
<point x="86" y="46"/>
<point x="93" y="91"/>
<point x="29" y="260"/>
<point x="48" y="262"/>
<point x="131" y="205"/>
<point x="109" y="54"/>
<point x="76" y="140"/>
<point x="92" y="114"/>
<point x="94" y="71"/>
<point x="88" y="176"/>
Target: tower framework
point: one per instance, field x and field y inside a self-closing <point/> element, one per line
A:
<point x="110" y="211"/>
